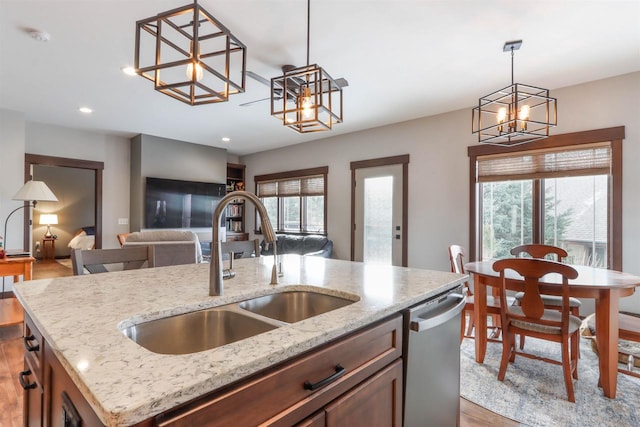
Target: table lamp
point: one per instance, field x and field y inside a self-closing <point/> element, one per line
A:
<point x="48" y="220"/>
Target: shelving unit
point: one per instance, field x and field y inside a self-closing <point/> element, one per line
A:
<point x="235" y="212"/>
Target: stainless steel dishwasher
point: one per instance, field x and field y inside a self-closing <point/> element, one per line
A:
<point x="432" y="392"/>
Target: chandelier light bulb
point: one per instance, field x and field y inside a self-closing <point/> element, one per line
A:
<point x="523" y="115"/>
<point x="307" y="104"/>
<point x="199" y="71"/>
<point x="502" y="115"/>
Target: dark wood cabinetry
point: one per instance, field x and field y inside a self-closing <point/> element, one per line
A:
<point x="354" y="380"/>
<point x="235" y="214"/>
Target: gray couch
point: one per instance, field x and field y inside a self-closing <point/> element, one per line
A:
<point x="313" y="244"/>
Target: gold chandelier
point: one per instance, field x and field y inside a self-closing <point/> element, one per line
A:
<point x="516" y="114"/>
<point x="190" y="56"/>
<point x="306" y="99"/>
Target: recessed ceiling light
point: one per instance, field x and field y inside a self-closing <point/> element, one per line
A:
<point x="226" y="139"/>
<point x="129" y="71"/>
<point x="85" y="110"/>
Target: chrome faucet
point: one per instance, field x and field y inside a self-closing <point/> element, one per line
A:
<point x="216" y="270"/>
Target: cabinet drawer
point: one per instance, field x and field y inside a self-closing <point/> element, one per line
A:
<point x="33" y="348"/>
<point x="279" y="396"/>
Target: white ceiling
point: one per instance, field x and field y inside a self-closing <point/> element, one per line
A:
<point x="403" y="59"/>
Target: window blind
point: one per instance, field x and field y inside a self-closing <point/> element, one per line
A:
<point x="592" y="159"/>
<point x="302" y="186"/>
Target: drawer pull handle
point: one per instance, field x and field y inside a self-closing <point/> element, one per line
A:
<point x="23" y="383"/>
<point x="331" y="378"/>
<point x="30" y="347"/>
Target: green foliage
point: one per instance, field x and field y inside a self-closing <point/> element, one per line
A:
<point x="507" y="217"/>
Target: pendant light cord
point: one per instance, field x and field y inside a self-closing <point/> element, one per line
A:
<point x="308" y="26"/>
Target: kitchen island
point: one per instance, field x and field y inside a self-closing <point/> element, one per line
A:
<point x="82" y="319"/>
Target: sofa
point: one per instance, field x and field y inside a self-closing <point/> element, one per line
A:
<point x="313" y="245"/>
<point x="171" y="247"/>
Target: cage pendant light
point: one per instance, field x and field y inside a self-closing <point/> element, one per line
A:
<point x="516" y="114"/>
<point x="306" y="99"/>
<point x="190" y="56"/>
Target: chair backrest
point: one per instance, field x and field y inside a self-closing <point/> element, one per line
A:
<point x="536" y="250"/>
<point x="247" y="248"/>
<point x="173" y="253"/>
<point x="94" y="260"/>
<point x="456" y="258"/>
<point x="532" y="270"/>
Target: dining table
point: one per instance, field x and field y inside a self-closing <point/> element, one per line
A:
<point x="605" y="286"/>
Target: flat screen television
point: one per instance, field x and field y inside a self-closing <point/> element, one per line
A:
<point x="171" y="203"/>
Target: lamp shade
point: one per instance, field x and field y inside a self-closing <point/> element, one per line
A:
<point x="48" y="219"/>
<point x="35" y="191"/>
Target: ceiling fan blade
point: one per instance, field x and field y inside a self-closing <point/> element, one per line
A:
<point x="246" y="104"/>
<point x="342" y="82"/>
<point x="259" y="78"/>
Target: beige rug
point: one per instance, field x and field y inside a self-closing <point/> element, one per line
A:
<point x="533" y="392"/>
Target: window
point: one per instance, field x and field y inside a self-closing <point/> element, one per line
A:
<point x="563" y="191"/>
<point x="295" y="200"/>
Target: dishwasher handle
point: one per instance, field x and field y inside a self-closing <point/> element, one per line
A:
<point x="419" y="324"/>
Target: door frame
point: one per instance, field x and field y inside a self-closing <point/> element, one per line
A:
<point x="383" y="161"/>
<point x="97" y="167"/>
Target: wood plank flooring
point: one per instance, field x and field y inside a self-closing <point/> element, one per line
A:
<point x="11" y="363"/>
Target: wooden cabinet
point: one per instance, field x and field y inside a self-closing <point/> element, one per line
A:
<point x="355" y="380"/>
<point x="235" y="214"/>
<point x="336" y="375"/>
<point x="31" y="378"/>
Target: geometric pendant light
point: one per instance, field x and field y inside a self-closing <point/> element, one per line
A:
<point x="307" y="99"/>
<point x="189" y="55"/>
<point x="516" y="114"/>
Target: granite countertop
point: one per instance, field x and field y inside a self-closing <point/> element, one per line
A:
<point x="82" y="318"/>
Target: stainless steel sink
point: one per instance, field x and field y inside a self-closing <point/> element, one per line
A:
<point x="196" y="331"/>
<point x="206" y="329"/>
<point x="294" y="306"/>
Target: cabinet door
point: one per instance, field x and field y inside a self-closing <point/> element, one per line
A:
<point x="375" y="402"/>
<point x="32" y="397"/>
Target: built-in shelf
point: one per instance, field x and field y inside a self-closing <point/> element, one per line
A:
<point x="235" y="212"/>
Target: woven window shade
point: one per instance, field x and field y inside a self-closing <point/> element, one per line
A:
<point x="593" y="159"/>
<point x="267" y="189"/>
<point x="289" y="187"/>
<point x="304" y="186"/>
<point x="312" y="186"/>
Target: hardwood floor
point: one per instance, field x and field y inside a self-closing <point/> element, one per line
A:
<point x="11" y="362"/>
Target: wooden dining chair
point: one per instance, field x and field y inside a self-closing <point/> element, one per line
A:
<point x="95" y="260"/>
<point x="552" y="302"/>
<point x="532" y="319"/>
<point x="456" y="258"/>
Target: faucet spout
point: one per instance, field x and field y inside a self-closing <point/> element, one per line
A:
<point x="216" y="269"/>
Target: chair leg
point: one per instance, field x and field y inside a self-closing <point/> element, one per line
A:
<point x="521" y="341"/>
<point x="463" y="322"/>
<point x="575" y="353"/>
<point x="508" y="349"/>
<point x="566" y="368"/>
<point x="471" y="324"/>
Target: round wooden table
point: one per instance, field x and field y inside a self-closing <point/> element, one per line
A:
<point x="605" y="286"/>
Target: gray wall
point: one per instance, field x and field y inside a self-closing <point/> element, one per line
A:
<point x="152" y="156"/>
<point x="439" y="170"/>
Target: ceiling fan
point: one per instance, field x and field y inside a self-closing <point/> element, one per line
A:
<point x="341" y="82"/>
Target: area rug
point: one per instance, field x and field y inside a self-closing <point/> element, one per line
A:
<point x="533" y="392"/>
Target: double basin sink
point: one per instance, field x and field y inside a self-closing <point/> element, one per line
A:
<point x="206" y="329"/>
